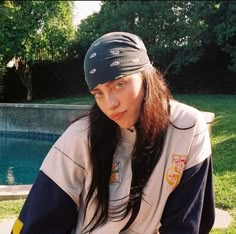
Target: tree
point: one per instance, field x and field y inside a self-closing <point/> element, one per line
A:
<point x="171" y="30"/>
<point x="176" y="33"/>
<point x="33" y="30"/>
<point x="221" y="21"/>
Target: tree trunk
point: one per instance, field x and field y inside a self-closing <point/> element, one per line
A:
<point x="167" y="68"/>
<point x="29" y="94"/>
<point x="26" y="79"/>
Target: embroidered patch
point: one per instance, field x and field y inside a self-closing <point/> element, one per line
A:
<point x="115" y="173"/>
<point x="175" y="171"/>
<point x="18" y="225"/>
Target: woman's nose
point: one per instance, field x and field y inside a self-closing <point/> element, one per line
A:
<point x="112" y="101"/>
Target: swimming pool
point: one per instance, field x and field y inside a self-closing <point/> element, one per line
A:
<point x="20" y="159"/>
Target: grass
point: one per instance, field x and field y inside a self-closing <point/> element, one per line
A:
<point x="9" y="209"/>
<point x="223" y="148"/>
<point x="223" y="143"/>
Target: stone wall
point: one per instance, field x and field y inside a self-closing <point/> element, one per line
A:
<point x="47" y="118"/>
<point x="40" y="118"/>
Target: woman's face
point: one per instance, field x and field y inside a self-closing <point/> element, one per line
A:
<point x="121" y="99"/>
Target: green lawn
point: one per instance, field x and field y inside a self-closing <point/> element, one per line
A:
<point x="223" y="143"/>
<point x="223" y="147"/>
<point x="9" y="209"/>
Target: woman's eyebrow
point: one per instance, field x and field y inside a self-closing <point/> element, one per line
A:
<point x="93" y="90"/>
<point x="107" y="84"/>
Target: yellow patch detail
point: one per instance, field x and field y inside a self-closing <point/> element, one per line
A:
<point x="175" y="171"/>
<point x="17" y="227"/>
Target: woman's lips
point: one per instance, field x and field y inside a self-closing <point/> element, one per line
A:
<point x="117" y="116"/>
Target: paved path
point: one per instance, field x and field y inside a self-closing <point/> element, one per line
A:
<point x="6" y="225"/>
<point x="222" y="220"/>
<point x="12" y="192"/>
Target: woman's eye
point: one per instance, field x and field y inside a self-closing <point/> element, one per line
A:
<point x="119" y="85"/>
<point x="97" y="94"/>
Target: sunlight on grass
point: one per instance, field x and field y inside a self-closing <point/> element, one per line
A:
<point x="223" y="149"/>
<point x="225" y="183"/>
<point x="222" y="139"/>
<point x="11" y="208"/>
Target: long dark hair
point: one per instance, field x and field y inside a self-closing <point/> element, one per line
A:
<point x="104" y="137"/>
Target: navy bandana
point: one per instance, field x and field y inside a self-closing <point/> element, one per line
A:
<point x="112" y="56"/>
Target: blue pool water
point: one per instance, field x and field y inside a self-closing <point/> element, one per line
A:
<point x="20" y="159"/>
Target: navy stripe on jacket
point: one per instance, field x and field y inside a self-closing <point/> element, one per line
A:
<point x="48" y="209"/>
<point x="190" y="208"/>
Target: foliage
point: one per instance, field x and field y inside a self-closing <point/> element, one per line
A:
<point x="58" y="78"/>
<point x="170" y="29"/>
<point x="225" y="30"/>
<point x="35" y="29"/>
<point x="219" y="18"/>
<point x="176" y="33"/>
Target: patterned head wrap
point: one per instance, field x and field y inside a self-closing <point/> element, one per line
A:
<point x="112" y="56"/>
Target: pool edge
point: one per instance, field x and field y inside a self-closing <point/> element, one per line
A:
<point x="14" y="192"/>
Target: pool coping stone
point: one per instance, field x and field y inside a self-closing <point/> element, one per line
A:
<point x="14" y="192"/>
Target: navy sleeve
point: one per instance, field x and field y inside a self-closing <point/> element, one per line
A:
<point x="190" y="207"/>
<point x="47" y="209"/>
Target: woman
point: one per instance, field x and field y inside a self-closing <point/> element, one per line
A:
<point x="140" y="162"/>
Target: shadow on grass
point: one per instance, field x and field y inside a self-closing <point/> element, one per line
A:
<point x="223" y="152"/>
